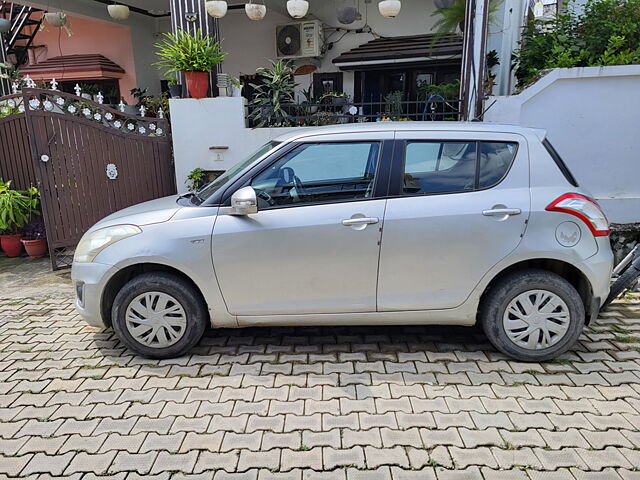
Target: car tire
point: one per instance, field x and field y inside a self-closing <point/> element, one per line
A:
<point x="138" y="309"/>
<point x="561" y="315"/>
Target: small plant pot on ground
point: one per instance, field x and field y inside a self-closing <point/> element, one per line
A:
<point x="35" y="248"/>
<point x="197" y="84"/>
<point x="175" y="91"/>
<point x="11" y="245"/>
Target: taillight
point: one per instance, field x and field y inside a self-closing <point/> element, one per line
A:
<point x="585" y="208"/>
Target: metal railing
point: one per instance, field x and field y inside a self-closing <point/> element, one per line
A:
<point x="435" y="108"/>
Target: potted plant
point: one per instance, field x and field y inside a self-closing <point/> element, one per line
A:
<point x="196" y="179"/>
<point x="196" y="54"/>
<point x="16" y="207"/>
<point x="273" y="95"/>
<point x="35" y="238"/>
<point x="175" y="88"/>
<point x="236" y="86"/>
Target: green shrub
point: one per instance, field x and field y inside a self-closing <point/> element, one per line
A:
<point x="183" y="51"/>
<point x="196" y="179"/>
<point x="606" y="33"/>
<point x="16" y="207"/>
<point x="271" y="95"/>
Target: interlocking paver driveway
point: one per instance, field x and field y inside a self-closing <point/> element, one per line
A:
<point x="314" y="403"/>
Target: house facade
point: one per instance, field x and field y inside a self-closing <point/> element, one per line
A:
<point x="365" y="55"/>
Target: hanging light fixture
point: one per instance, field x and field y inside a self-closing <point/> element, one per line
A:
<point x="347" y="12"/>
<point x="216" y="8"/>
<point x="5" y="25"/>
<point x="118" y="12"/>
<point x="255" y="11"/>
<point x="389" y="8"/>
<point x="56" y="19"/>
<point x="297" y="8"/>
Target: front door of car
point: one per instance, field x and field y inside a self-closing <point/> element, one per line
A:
<point x="456" y="208"/>
<point x="313" y="246"/>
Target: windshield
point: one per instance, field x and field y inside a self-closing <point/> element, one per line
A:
<point x="209" y="189"/>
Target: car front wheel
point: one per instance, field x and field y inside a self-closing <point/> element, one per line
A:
<point x="532" y="315"/>
<point x="159" y="315"/>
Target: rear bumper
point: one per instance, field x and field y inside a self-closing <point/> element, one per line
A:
<point x="598" y="270"/>
<point x="89" y="280"/>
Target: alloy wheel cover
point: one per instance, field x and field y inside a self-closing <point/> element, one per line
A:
<point x="156" y="319"/>
<point x="536" y="319"/>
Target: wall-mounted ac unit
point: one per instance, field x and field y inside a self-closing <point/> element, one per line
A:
<point x="299" y="40"/>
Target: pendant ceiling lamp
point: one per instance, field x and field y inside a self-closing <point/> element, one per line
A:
<point x="118" y="12"/>
<point x="389" y="8"/>
<point x="255" y="11"/>
<point x="347" y="11"/>
<point x="216" y="8"/>
<point x="297" y="8"/>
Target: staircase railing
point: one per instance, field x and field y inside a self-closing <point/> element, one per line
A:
<point x="21" y="17"/>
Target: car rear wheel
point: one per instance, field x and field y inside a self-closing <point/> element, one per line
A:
<point x="532" y="315"/>
<point x="159" y="315"/>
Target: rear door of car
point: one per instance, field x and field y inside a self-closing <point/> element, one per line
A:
<point x="458" y="204"/>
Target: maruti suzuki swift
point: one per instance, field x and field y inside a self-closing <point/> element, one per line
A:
<point x="362" y="224"/>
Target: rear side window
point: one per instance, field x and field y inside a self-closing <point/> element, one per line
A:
<point x="432" y="167"/>
<point x="495" y="161"/>
<point x="560" y="163"/>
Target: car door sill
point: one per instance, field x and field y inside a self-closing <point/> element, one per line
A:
<point x="452" y="316"/>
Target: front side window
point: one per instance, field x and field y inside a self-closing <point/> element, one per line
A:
<point x="319" y="173"/>
<point x="432" y="167"/>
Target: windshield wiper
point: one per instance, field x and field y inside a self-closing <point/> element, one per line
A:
<point x="190" y="196"/>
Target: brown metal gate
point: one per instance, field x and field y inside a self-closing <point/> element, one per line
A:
<point x="15" y="153"/>
<point x="89" y="161"/>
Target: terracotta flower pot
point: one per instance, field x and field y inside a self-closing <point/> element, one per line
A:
<point x="35" y="248"/>
<point x="11" y="245"/>
<point x="197" y="83"/>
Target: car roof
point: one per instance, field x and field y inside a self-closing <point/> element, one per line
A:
<point x="298" y="133"/>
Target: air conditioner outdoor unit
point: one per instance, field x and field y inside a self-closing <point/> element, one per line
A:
<point x="299" y="40"/>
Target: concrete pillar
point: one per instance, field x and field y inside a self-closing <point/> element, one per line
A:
<point x="474" y="55"/>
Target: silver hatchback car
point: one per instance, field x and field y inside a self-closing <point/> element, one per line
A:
<point x="385" y="224"/>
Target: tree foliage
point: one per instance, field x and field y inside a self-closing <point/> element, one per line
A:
<point x="606" y="33"/>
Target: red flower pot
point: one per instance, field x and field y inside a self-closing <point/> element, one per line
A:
<point x="35" y="248"/>
<point x="197" y="83"/>
<point x="11" y="245"/>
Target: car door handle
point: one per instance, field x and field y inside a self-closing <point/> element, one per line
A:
<point x="360" y="221"/>
<point x="500" y="212"/>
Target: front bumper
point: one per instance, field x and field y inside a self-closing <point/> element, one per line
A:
<point x="89" y="280"/>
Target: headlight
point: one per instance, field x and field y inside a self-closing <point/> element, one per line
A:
<point x="93" y="243"/>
